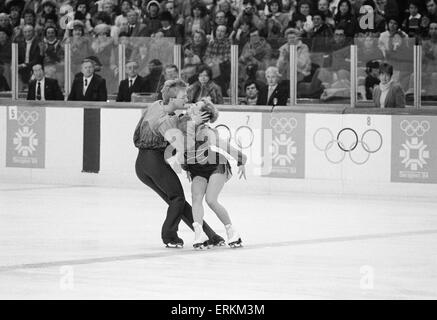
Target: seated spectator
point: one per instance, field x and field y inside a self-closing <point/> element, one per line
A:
<point x="388" y="94"/>
<point x="252" y="74"/>
<point x="220" y="20"/>
<point x="218" y="51"/>
<point x="151" y="18"/>
<point x="51" y="47"/>
<point x="257" y="51"/>
<point x="320" y="38"/>
<point x="88" y="86"/>
<point x="398" y="51"/>
<point x="430" y="15"/>
<point x="103" y="47"/>
<point x="302" y="19"/>
<point x="337" y="67"/>
<point x="242" y="36"/>
<point x="372" y="78"/>
<point x="42" y="87"/>
<point x="199" y="20"/>
<point x="80" y="45"/>
<point x="82" y="13"/>
<point x="171" y="72"/>
<point x="14" y="8"/>
<point x="197" y="44"/>
<point x="4" y="84"/>
<point x="302" y="55"/>
<point x="277" y="91"/>
<point x="412" y="25"/>
<point x="323" y="7"/>
<point x="5" y="55"/>
<point x="124" y="8"/>
<point x="135" y="27"/>
<point x="225" y="7"/>
<point x="248" y="14"/>
<point x="276" y="17"/>
<point x="345" y="19"/>
<point x="204" y="87"/>
<point x="5" y="23"/>
<point x="134" y="83"/>
<point x="253" y="94"/>
<point x="29" y="54"/>
<point x="368" y="50"/>
<point x="429" y="77"/>
<point x="153" y="79"/>
<point x="168" y="29"/>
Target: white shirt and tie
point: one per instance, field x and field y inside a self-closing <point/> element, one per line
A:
<point x="40" y="86"/>
<point x="28" y="46"/>
<point x="86" y="83"/>
<point x="131" y="82"/>
<point x="271" y="90"/>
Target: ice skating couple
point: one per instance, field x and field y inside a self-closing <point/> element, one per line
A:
<point x="191" y="136"/>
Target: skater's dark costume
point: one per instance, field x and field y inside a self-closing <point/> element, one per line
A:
<point x="202" y="161"/>
<point x="152" y="169"/>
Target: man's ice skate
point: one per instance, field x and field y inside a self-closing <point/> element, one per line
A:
<point x="175" y="243"/>
<point x="216" y="241"/>
<point x="234" y="239"/>
<point x="200" y="238"/>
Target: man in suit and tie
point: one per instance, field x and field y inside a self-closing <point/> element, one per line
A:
<point x="135" y="28"/>
<point x="29" y="53"/>
<point x="277" y="93"/>
<point x="90" y="87"/>
<point x="132" y="84"/>
<point x="42" y="88"/>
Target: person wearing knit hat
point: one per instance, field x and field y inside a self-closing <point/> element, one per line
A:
<point x="102" y="28"/>
<point x="151" y="18"/>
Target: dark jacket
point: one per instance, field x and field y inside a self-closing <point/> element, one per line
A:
<point x="34" y="58"/>
<point x="138" y="31"/>
<point x="395" y="97"/>
<point x="96" y="90"/>
<point x="34" y="55"/>
<point x="124" y="92"/>
<point x="279" y="97"/>
<point x="51" y="90"/>
<point x="321" y="39"/>
<point x="211" y="89"/>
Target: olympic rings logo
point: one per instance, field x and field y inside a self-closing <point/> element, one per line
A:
<point x="244" y="136"/>
<point x="27" y="118"/>
<point x="283" y="125"/>
<point x="415" y="128"/>
<point x="348" y="142"/>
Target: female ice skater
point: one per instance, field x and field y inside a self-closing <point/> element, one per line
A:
<point x="208" y="171"/>
<point x="153" y="170"/>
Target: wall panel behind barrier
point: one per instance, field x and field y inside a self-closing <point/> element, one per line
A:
<point x="414" y="149"/>
<point x="370" y="139"/>
<point x="118" y="153"/>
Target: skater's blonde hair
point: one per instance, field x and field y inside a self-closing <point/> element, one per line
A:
<point x="171" y="89"/>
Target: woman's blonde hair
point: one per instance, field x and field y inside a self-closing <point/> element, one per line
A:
<point x="209" y="107"/>
<point x="171" y="88"/>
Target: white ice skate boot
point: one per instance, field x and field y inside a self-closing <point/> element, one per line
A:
<point x="200" y="237"/>
<point x="234" y="240"/>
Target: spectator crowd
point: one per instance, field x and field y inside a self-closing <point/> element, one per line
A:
<point x="385" y="31"/>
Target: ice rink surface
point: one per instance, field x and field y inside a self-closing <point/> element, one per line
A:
<point x="84" y="242"/>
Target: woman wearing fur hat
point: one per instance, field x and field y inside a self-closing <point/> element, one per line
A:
<point x="80" y="46"/>
<point x="209" y="170"/>
<point x="103" y="47"/>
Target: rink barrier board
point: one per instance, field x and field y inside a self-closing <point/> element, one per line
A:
<point x="379" y="159"/>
